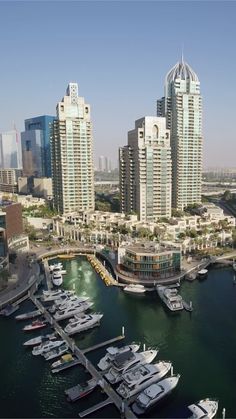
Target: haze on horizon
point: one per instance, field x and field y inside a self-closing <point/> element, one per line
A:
<point x="119" y="53"/>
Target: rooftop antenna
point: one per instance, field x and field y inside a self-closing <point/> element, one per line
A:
<point x="182" y="54"/>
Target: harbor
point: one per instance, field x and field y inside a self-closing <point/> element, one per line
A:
<point x="149" y="311"/>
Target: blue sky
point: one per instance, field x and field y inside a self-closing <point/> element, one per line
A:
<point x="119" y="53"/>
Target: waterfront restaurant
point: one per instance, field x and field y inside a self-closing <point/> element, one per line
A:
<point x="151" y="262"/>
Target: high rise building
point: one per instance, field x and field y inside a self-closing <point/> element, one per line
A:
<point x="36" y="153"/>
<point x="10" y="151"/>
<point x="145" y="170"/>
<point x="72" y="154"/>
<point x="182" y="107"/>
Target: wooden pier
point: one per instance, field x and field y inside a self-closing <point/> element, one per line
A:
<point x="95" y="407"/>
<point x="100" y="345"/>
<point x="112" y="395"/>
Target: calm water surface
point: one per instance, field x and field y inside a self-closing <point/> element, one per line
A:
<point x="201" y="346"/>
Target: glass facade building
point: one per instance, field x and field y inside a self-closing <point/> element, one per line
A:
<point x="38" y="131"/>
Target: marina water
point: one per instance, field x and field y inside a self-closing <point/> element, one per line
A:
<point x="201" y="346"/>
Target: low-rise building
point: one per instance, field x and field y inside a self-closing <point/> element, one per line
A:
<point x="150" y="261"/>
<point x="9" y="180"/>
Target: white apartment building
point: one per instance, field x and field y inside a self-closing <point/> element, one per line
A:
<point x="145" y="170"/>
<point x="72" y="154"/>
<point x="182" y="107"/>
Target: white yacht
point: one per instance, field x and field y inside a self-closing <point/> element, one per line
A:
<point x="112" y="353"/>
<point x="29" y="315"/>
<point x="142" y="376"/>
<point x="126" y="361"/>
<point x="56" y="352"/>
<point x="202" y="273"/>
<point x="135" y="289"/>
<point x="154" y="393"/>
<point x="170" y="297"/>
<point x="57" y="279"/>
<point x="46" y="347"/>
<point x="55" y="266"/>
<point x="39" y="339"/>
<point x="72" y="310"/>
<point x="234" y="266"/>
<point x="63" y="303"/>
<point x="52" y="295"/>
<point x="83" y="323"/>
<point x="206" y="408"/>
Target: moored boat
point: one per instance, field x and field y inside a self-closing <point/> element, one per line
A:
<point x="39" y="339"/>
<point x="80" y="390"/>
<point x="66" y="361"/>
<point x="72" y="310"/>
<point x="135" y="289"/>
<point x="112" y="353"/>
<point x="37" y="324"/>
<point x="29" y="315"/>
<point x="46" y="347"/>
<point x="83" y="323"/>
<point x="55" y="353"/>
<point x="154" y="393"/>
<point x="126" y="361"/>
<point x="206" y="408"/>
<point x="202" y="273"/>
<point x="141" y="377"/>
<point x="170" y="297"/>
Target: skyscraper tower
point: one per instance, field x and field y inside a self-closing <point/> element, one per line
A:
<point x="182" y="107"/>
<point x="145" y="170"/>
<point x="72" y="154"/>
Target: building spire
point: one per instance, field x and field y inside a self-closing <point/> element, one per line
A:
<point x="182" y="54"/>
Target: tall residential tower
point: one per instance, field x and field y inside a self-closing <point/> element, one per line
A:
<point x="182" y="107"/>
<point x="72" y="154"/>
<point x="145" y="170"/>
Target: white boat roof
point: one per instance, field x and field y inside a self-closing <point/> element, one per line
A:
<point x="203" y="408"/>
<point x="112" y="350"/>
<point x="153" y="390"/>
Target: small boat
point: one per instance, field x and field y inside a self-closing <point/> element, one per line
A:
<point x="8" y="310"/>
<point x="206" y="408"/>
<point x="234" y="266"/>
<point x="66" y="361"/>
<point x="46" y="347"/>
<point x="142" y="376"/>
<point x="72" y="310"/>
<point x="63" y="303"/>
<point x="202" y="273"/>
<point x="170" y="297"/>
<point x="80" y="390"/>
<point x="126" y="361"/>
<point x="37" y="324"/>
<point x="154" y="393"/>
<point x="83" y="323"/>
<point x="39" y="339"/>
<point x="29" y="315"/>
<point x="57" y="279"/>
<point x="55" y="353"/>
<point x="135" y="289"/>
<point x="112" y="352"/>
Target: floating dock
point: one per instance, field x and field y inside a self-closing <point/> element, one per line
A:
<point x="95" y="407"/>
<point x="101" y="270"/>
<point x="100" y="345"/>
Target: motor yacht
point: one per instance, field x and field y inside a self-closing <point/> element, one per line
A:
<point x="135" y="289"/>
<point x="57" y="279"/>
<point x="170" y="297"/>
<point x="29" y="315"/>
<point x="202" y="273"/>
<point x="72" y="310"/>
<point x="66" y="361"/>
<point x="206" y="408"/>
<point x="83" y="323"/>
<point x="126" y="361"/>
<point x="55" y="266"/>
<point x="52" y="295"/>
<point x="154" y="393"/>
<point x="8" y="310"/>
<point x="37" y="324"/>
<point x="80" y="390"/>
<point x="46" y="347"/>
<point x="63" y="303"/>
<point x="39" y="339"/>
<point x="142" y="376"/>
<point x="56" y="352"/>
<point x="112" y="353"/>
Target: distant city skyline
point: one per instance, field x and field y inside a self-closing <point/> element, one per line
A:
<point x="119" y="68"/>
